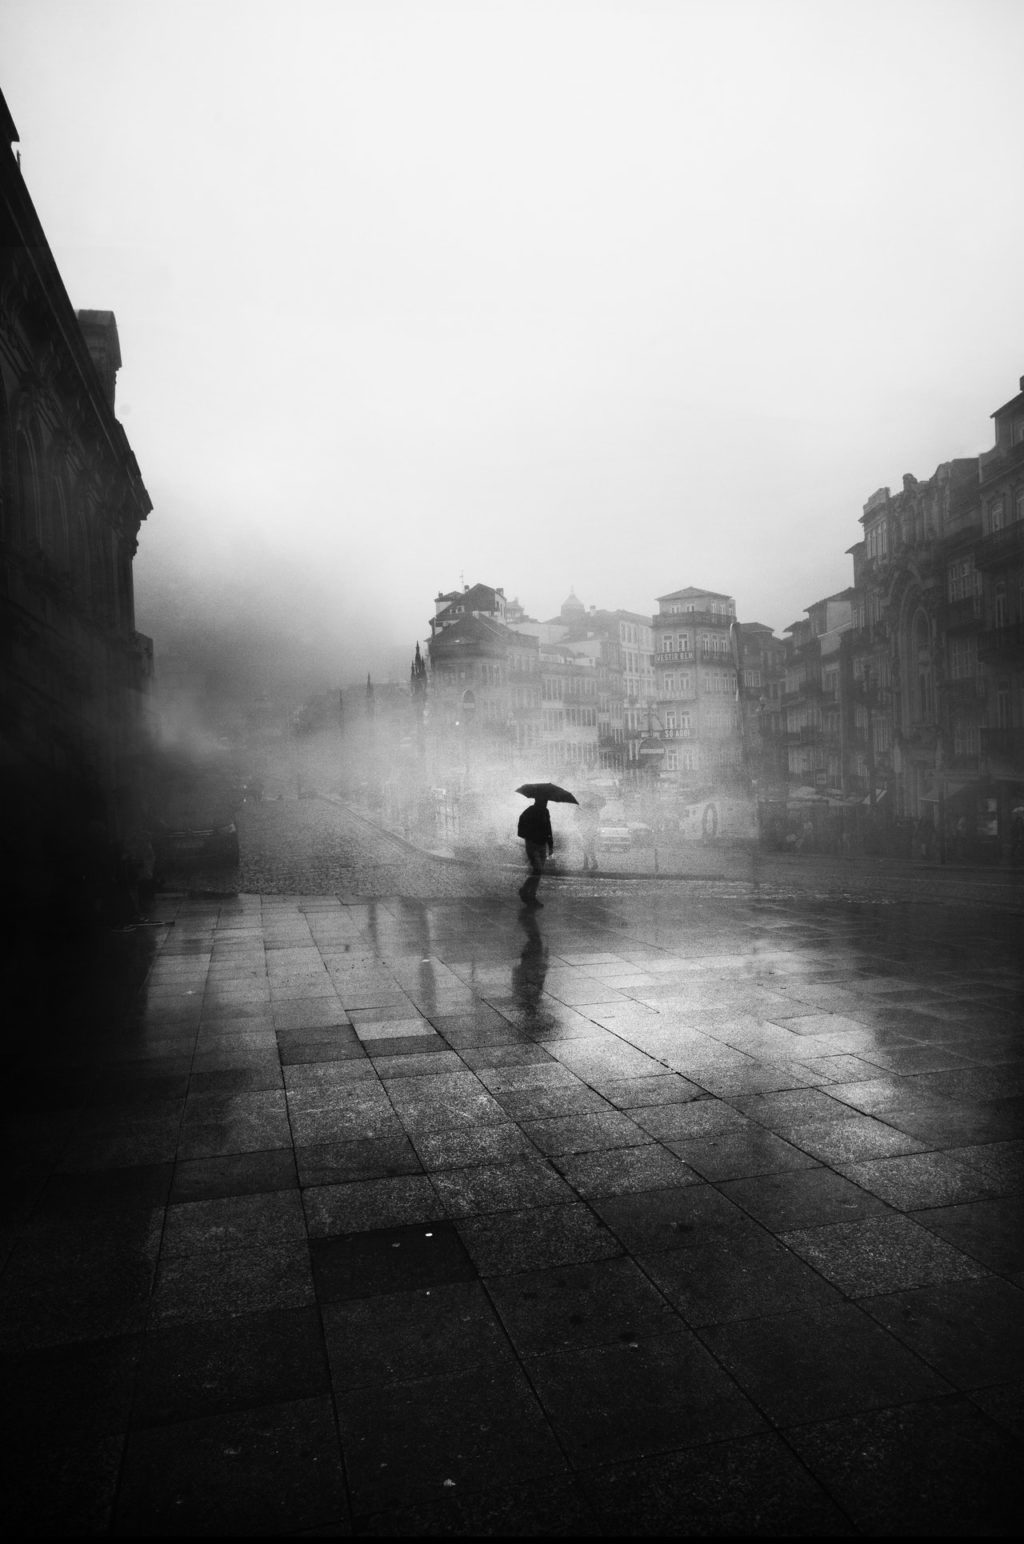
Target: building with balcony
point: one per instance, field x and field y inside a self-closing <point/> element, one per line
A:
<point x="999" y="561"/>
<point x="695" y="712"/>
<point x="621" y="644"/>
<point x="484" y="691"/>
<point x="811" y="716"/>
<point x="76" y="677"/>
<point x="761" y="660"/>
<point x="935" y="658"/>
<point x="570" y="709"/>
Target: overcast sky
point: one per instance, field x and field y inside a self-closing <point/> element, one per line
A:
<point x="612" y="294"/>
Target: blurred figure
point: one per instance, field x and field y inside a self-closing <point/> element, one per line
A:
<point x="136" y="873"/>
<point x="960" y="839"/>
<point x="535" y="830"/>
<point x="589" y="822"/>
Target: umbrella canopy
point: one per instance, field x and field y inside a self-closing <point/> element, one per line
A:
<point x="549" y="791"/>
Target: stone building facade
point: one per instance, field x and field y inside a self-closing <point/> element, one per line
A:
<point x="905" y="693"/>
<point x="696" y="713"/>
<point x="484" y="697"/>
<point x="76" y="675"/>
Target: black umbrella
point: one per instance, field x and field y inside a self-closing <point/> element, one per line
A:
<point x="549" y="791"/>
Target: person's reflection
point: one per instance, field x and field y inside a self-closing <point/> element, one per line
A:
<point x="529" y="974"/>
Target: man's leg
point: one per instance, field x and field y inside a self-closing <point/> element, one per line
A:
<point x="535" y="857"/>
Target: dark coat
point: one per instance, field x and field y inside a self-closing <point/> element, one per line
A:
<point x="535" y="826"/>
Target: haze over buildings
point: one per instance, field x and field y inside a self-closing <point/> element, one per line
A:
<point x="572" y="295"/>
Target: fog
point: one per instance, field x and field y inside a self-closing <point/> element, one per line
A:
<point x="617" y="295"/>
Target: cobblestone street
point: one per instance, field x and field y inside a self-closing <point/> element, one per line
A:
<point x="318" y="847"/>
<point x="315" y="847"/>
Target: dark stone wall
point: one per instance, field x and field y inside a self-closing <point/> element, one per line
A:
<point x="75" y="732"/>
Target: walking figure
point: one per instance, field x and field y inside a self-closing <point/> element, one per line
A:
<point x="590" y="825"/>
<point x="535" y="829"/>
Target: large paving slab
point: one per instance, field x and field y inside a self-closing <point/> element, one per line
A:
<point x="658" y="1211"/>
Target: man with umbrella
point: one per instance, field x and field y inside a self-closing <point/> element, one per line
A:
<point x="535" y="829"/>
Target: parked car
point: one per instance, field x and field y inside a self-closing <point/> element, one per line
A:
<point x="197" y="846"/>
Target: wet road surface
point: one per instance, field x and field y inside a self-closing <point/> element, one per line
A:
<point x="658" y="1211"/>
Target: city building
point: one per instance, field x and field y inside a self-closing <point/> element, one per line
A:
<point x="484" y="693"/>
<point x="621" y="644"/>
<point x="999" y="560"/>
<point x="76" y="676"/>
<point x="761" y="658"/>
<point x="694" y="723"/>
<point x="935" y="718"/>
<point x="812" y="701"/>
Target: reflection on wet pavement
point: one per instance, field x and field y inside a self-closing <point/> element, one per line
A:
<point x="660" y="1211"/>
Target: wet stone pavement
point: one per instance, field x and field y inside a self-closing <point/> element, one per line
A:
<point x="648" y="1214"/>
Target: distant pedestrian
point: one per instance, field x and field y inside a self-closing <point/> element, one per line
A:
<point x="589" y="820"/>
<point x="136" y="873"/>
<point x="960" y="839"/>
<point x="535" y="830"/>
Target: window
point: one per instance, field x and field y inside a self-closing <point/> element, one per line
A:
<point x="966" y="739"/>
<point x="999" y="604"/>
<point x="670" y="685"/>
<point x="996" y="514"/>
<point x="1004" y="710"/>
<point x="684" y="684"/>
<point x="1018" y="504"/>
<point x="878" y="540"/>
<point x="962" y="579"/>
<point x="963" y="658"/>
<point x="670" y="723"/>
